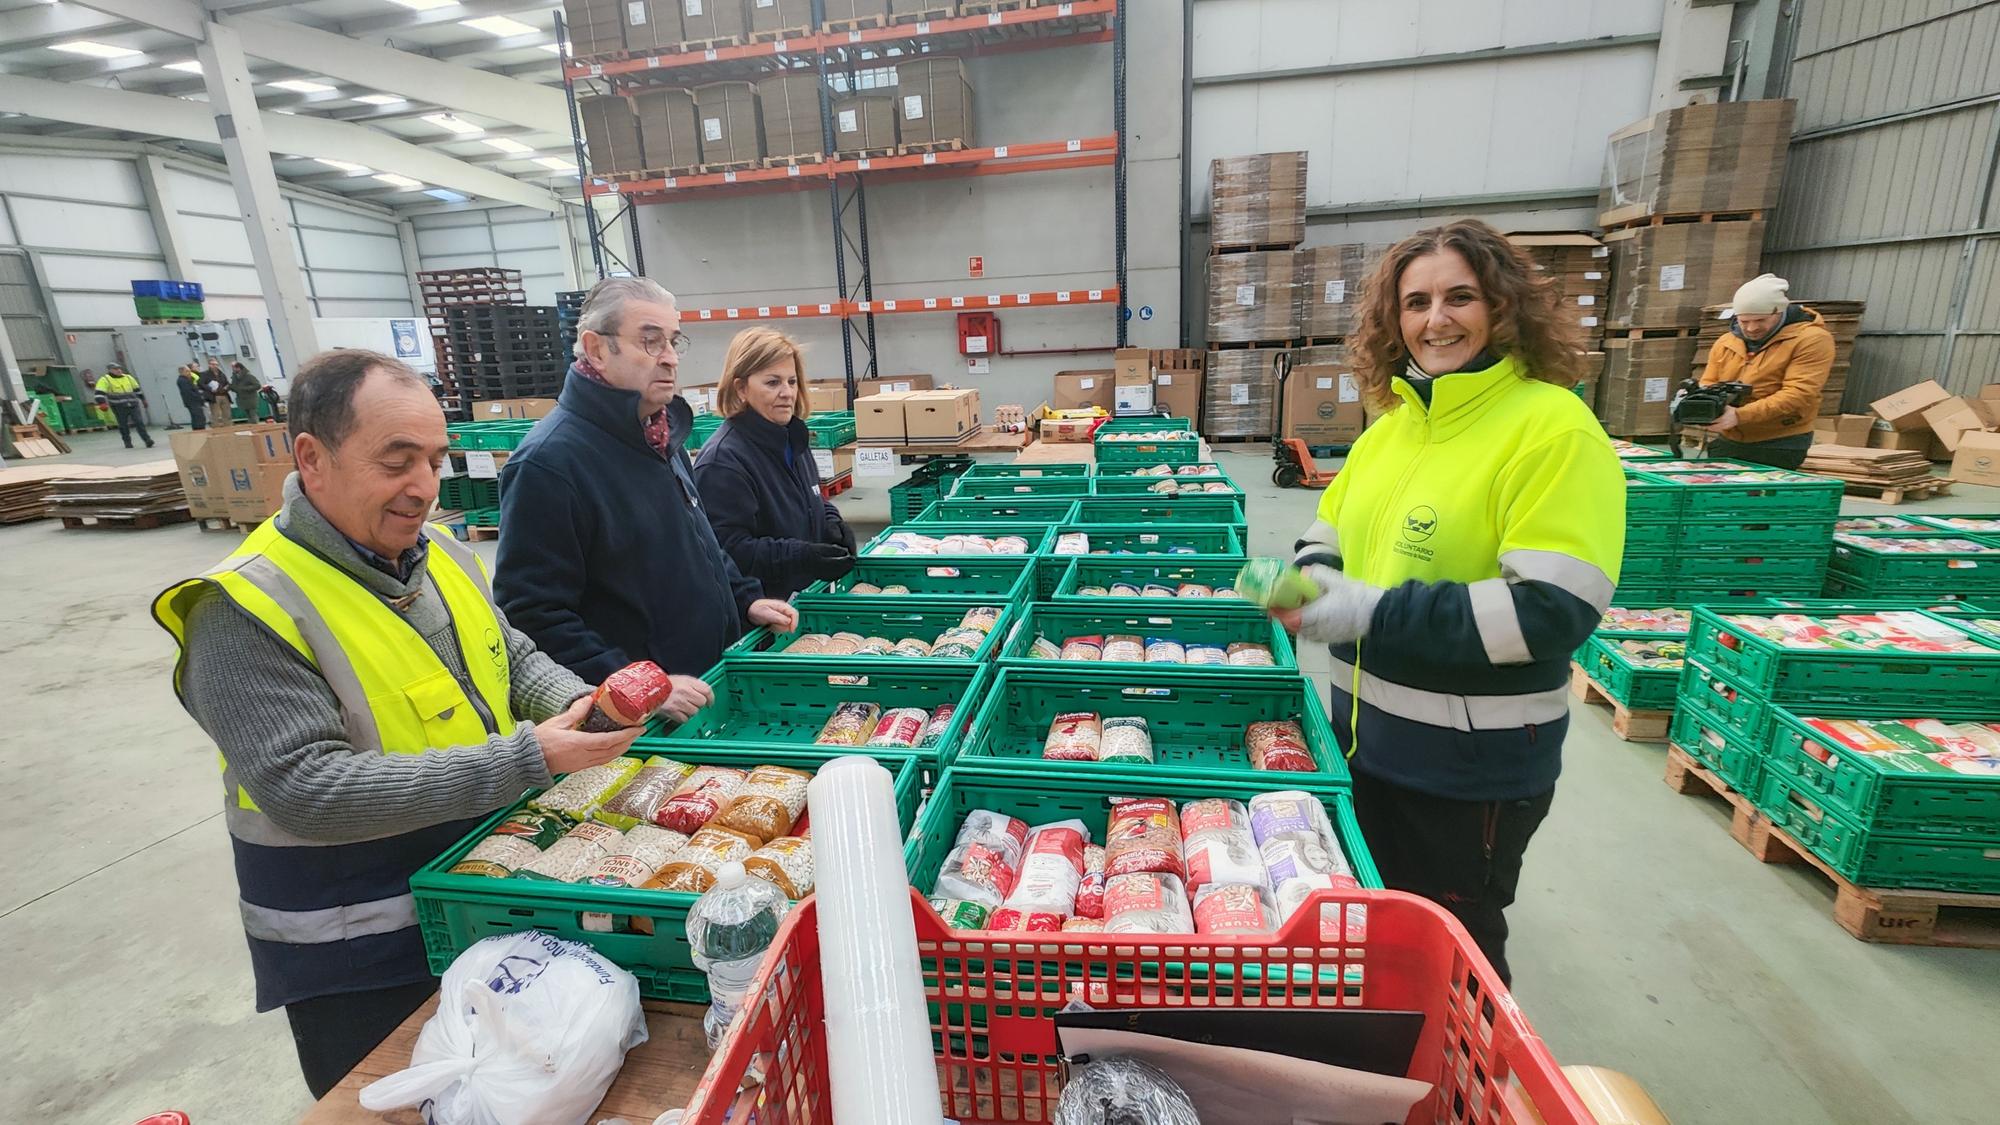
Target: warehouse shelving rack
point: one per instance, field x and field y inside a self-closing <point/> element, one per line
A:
<point x="832" y="53"/>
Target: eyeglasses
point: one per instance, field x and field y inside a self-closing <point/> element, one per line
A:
<point x="655" y="345"/>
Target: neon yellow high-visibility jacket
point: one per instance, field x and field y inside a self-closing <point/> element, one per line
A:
<point x="1494" y="517"/>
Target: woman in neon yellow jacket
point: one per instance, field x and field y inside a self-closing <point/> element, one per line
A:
<point x="1468" y="546"/>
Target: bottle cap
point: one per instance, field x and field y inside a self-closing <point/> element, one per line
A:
<point x="731" y="874"/>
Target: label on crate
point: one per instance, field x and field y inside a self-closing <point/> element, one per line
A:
<point x="850" y="121"/>
<point x="711" y="128"/>
<point x="823" y="458"/>
<point x="1673" y="277"/>
<point x="1656" y="390"/>
<point x="1246" y="294"/>
<point x="1336" y="291"/>
<point x="479" y="465"/>
<point x="913" y="107"/>
<point x="876" y="461"/>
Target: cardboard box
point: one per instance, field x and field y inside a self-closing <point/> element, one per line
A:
<point x="1132" y="367"/>
<point x="1177" y="394"/>
<point x="943" y="416"/>
<point x="611" y="133"/>
<point x="1240" y="396"/>
<point x="194" y="454"/>
<point x="1662" y="277"/>
<point x="900" y="383"/>
<point x="1253" y="298"/>
<point x="1257" y="200"/>
<point x="1329" y="290"/>
<point x="1077" y="389"/>
<point x="933" y="100"/>
<point x="879" y="417"/>
<point x="864" y="123"/>
<point x="519" y="408"/>
<point x="1323" y="405"/>
<point x="1068" y="430"/>
<point x="1844" y="429"/>
<point x="1132" y="399"/>
<point x="1977" y="460"/>
<point x="781" y="15"/>
<point x="833" y="462"/>
<point x="1990" y="392"/>
<point x="1904" y="410"/>
<point x="595" y="27"/>
<point x="850" y="12"/>
<point x="1712" y="156"/>
<point x="1634" y="395"/>
<point x="652" y="25"/>
<point x="826" y="396"/>
<point x="1957" y="415"/>
<point x="668" y="131"/>
<point x="713" y="19"/>
<point x="254" y="462"/>
<point x="789" y="103"/>
<point x="727" y="113"/>
<point x="1882" y="436"/>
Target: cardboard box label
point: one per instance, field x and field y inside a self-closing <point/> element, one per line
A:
<point x="1325" y="383"/>
<point x="1246" y="294"/>
<point x="850" y="121"/>
<point x="635" y="13"/>
<point x="1350" y="391"/>
<point x="823" y="460"/>
<point x="1164" y="380"/>
<point x="479" y="465"/>
<point x="1239" y="395"/>
<point x="875" y="461"/>
<point x="1587" y="321"/>
<point x="1673" y="277"/>
<point x="693" y="7"/>
<point x="1336" y="291"/>
<point x="1656" y="390"/>
<point x="1600" y="251"/>
<point x="1086" y="384"/>
<point x="1593" y="275"/>
<point x="767" y="3"/>
<point x="1586" y="300"/>
<point x="913" y="107"/>
<point x="711" y="127"/>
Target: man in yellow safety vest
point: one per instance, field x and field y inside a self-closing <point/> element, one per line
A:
<point x="369" y="701"/>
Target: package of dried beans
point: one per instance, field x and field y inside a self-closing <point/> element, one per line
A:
<point x="961" y="914"/>
<point x="1090" y="892"/>
<point x="638" y="799"/>
<point x="497" y="857"/>
<point x="1125" y="739"/>
<point x="645" y="849"/>
<point x="786" y="863"/>
<point x="1082" y="648"/>
<point x="579" y="794"/>
<point x="850" y="725"/>
<point x="1278" y="745"/>
<point x="699" y="796"/>
<point x="767" y="802"/>
<point x="1146" y="902"/>
<point x="1051" y="870"/>
<point x="695" y="867"/>
<point x="939" y="726"/>
<point x="1145" y="835"/>
<point x="1235" y="908"/>
<point x="901" y="726"/>
<point x="627" y="697"/>
<point x="1073" y="737"/>
<point x="572" y="857"/>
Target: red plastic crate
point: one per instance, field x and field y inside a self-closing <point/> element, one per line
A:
<point x="991" y="995"/>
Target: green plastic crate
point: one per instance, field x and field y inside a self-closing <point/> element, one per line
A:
<point x="1008" y="578"/>
<point x="1119" y="470"/>
<point x="1875" y="859"/>
<point x="1129" y="486"/>
<point x="454" y="911"/>
<point x="1755" y="494"/>
<point x="1008" y="470"/>
<point x="1215" y="573"/>
<point x="1813" y="676"/>
<point x="1000" y="512"/>
<point x="1862" y="565"/>
<point x="1194" y="539"/>
<point x="1753" y="571"/>
<point x="1038" y="535"/>
<point x="1647" y="569"/>
<point x="1644" y="689"/>
<point x="482" y="517"/>
<point x="1745" y="713"/>
<point x="969" y="487"/>
<point x="1903" y="794"/>
<point x="1791" y="537"/>
<point x="1651" y="499"/>
<point x="1110" y="450"/>
<point x="1144" y="422"/>
<point x="1964" y="523"/>
<point x="911" y="615"/>
<point x="1042" y="798"/>
<point x="497" y="435"/>
<point x="159" y="308"/>
<point x="1645" y="592"/>
<point x="926" y="484"/>
<point x="1190" y="621"/>
<point x="1196" y="720"/>
<point x="1148" y="509"/>
<point x="778" y="702"/>
<point x="830" y="430"/>
<point x="1718" y="749"/>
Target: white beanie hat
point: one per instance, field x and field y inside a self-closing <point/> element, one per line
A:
<point x="1760" y="296"/>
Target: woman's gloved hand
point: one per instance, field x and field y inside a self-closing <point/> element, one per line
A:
<point x="1339" y="615"/>
<point x="827" y="561"/>
<point x="846" y="538"/>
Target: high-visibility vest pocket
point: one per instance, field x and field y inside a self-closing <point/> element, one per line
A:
<point x="436" y="700"/>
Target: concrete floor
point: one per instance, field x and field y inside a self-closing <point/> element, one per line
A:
<point x="1644" y="940"/>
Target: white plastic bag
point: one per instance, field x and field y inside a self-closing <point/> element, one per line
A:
<point x="529" y="1029"/>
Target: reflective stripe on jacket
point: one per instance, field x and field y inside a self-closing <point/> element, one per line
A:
<point x="328" y="918"/>
<point x="1494" y="517"/>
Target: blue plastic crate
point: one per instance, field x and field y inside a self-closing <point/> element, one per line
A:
<point x="161" y="289"/>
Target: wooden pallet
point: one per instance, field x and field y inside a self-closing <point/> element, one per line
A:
<point x="697" y="46"/>
<point x="860" y="23"/>
<point x="649" y="174"/>
<point x="1322" y="341"/>
<point x="139" y="523"/>
<point x="866" y="153"/>
<point x="1630" y="724"/>
<point x="795" y="160"/>
<point x="925" y="16"/>
<point x="477" y="534"/>
<point x="1630" y="332"/>
<point x="1249" y="247"/>
<point x="837" y="485"/>
<point x="1900" y="493"/>
<point x="780" y="35"/>
<point x="953" y="144"/>
<point x="727" y="166"/>
<point x="1677" y="218"/>
<point x="1240" y="345"/>
<point x="984" y="7"/>
<point x="1873" y="914"/>
<point x="224" y="523"/>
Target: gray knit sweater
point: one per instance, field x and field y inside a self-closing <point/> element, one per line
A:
<point x="279" y="724"/>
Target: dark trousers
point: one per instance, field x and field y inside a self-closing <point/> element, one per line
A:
<point x="1463" y="855"/>
<point x="128" y="417"/>
<point x="1781" y="453"/>
<point x="334" y="1033"/>
<point x="198" y="417"/>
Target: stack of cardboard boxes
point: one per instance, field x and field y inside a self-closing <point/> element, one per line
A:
<point x="916" y="417"/>
<point x="1684" y="200"/>
<point x="1159" y="381"/>
<point x="234" y="474"/>
<point x="1580" y="267"/>
<point x="1257" y="215"/>
<point x="933" y="103"/>
<point x="1930" y="420"/>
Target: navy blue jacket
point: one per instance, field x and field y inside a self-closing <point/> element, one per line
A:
<point x="605" y="556"/>
<point x="761" y="488"/>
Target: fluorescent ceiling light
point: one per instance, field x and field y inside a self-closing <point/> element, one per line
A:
<point x="552" y="48"/>
<point x="506" y="144"/>
<point x="555" y="163"/>
<point x="445" y="194"/>
<point x="398" y="181"/>
<point x="301" y="86"/>
<point x="190" y="66"/>
<point x="381" y="99"/>
<point x="350" y="169"/>
<point x="500" y="26"/>
<point x="98" y="50"/>
<point x="426" y="5"/>
<point x="452" y="124"/>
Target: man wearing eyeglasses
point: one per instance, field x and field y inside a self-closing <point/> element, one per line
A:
<point x="605" y="554"/>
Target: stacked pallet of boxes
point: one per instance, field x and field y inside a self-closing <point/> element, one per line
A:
<point x="1683" y="204"/>
<point x="942" y="656"/>
<point x="1579" y="266"/>
<point x="1859" y="732"/>
<point x="1256" y="218"/>
<point x="730" y="125"/>
<point x="933" y="105"/>
<point x="793" y="129"/>
<point x="503" y="351"/>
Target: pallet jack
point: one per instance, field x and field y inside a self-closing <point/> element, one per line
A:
<point x="1294" y="464"/>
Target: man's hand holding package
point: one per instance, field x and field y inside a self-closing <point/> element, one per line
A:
<point x="1339" y="615"/>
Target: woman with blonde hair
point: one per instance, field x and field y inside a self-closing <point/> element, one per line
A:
<point x="756" y="474"/>
<point x="1468" y="546"/>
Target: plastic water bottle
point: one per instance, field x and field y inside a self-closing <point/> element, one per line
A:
<point x="730" y="928"/>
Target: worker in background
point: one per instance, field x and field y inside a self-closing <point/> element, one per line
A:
<point x="246" y="389"/>
<point x="121" y="392"/>
<point x="370" y="703"/>
<point x="187" y="383"/>
<point x="216" y="383"/>
<point x="1468" y="546"/>
<point x="605" y="555"/>
<point x="757" y="476"/>
<point x="1783" y="352"/>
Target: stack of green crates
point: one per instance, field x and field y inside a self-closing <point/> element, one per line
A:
<point x="497" y="435"/>
<point x="1116" y="442"/>
<point x="925" y="485"/>
<point x="702" y="429"/>
<point x="1762" y="715"/>
<point x="465" y="494"/>
<point x="1636" y="657"/>
<point x="1936" y="558"/>
<point x="831" y="430"/>
<point x="1702" y="530"/>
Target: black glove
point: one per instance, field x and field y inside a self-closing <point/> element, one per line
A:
<point x="827" y="561"/>
<point x="846" y="535"/>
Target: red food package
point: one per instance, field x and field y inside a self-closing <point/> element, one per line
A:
<point x="1145" y="835"/>
<point x="1090" y="892"/>
<point x="1033" y="921"/>
<point x="1278" y="746"/>
<point x="627" y="698"/>
<point x="701" y="795"/>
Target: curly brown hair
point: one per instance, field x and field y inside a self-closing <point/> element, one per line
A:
<point x="1523" y="309"/>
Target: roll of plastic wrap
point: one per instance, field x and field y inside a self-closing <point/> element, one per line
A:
<point x="878" y="1040"/>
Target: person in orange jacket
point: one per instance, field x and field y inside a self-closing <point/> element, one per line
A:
<point x="1783" y="352"/>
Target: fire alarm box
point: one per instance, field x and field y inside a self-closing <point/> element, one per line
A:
<point x="978" y="333"/>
